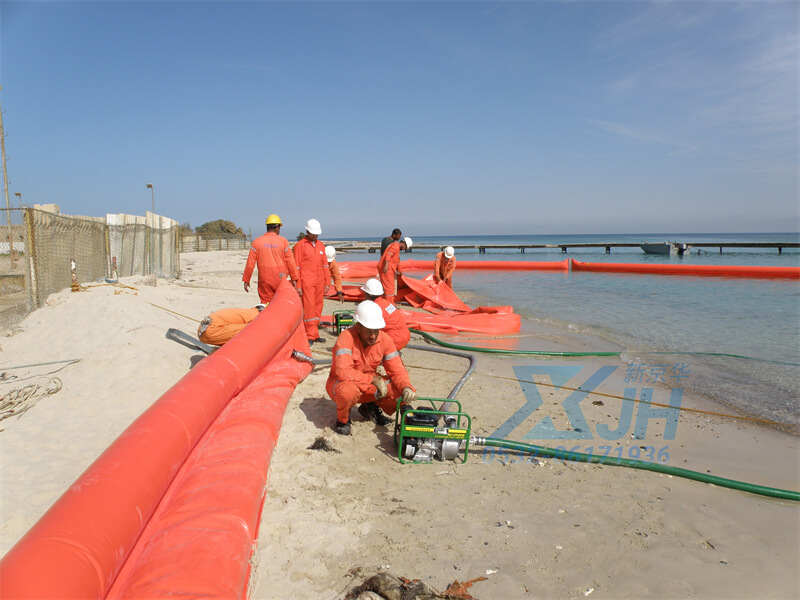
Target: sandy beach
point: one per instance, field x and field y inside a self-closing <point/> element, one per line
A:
<point x="532" y="528"/>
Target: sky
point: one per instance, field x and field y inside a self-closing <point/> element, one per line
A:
<point x="440" y="118"/>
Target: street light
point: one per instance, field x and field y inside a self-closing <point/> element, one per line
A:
<point x="152" y="196"/>
<point x="19" y="195"/>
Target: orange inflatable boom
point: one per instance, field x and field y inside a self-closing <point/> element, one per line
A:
<point x="698" y="270"/>
<point x="356" y="270"/>
<point x="171" y="508"/>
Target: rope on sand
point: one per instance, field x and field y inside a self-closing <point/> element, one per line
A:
<point x="20" y="400"/>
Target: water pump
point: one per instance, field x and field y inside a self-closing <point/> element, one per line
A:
<point x="423" y="435"/>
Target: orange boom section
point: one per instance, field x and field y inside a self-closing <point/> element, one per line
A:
<point x="171" y="508"/>
<point x="697" y="270"/>
<point x="358" y="270"/>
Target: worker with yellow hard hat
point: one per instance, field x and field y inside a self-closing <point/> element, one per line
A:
<point x="274" y="259"/>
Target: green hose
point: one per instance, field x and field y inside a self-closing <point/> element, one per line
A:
<point x="428" y="336"/>
<point x="638" y="464"/>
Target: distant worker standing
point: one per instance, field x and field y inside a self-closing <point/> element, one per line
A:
<point x="395" y="237"/>
<point x="221" y="325"/>
<point x="330" y="252"/>
<point x="273" y="257"/>
<point x="389" y="266"/>
<point x="444" y="266"/>
<point x="354" y="379"/>
<point x="312" y="263"/>
<point x="396" y="326"/>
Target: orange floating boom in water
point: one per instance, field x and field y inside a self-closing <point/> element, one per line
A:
<point x="696" y="270"/>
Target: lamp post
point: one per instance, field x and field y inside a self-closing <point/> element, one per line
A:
<point x="152" y="196"/>
<point x="19" y="195"/>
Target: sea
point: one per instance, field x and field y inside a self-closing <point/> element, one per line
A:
<point x="735" y="340"/>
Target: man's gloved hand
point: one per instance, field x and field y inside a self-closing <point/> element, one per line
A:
<point x="341" y="297"/>
<point x="409" y="395"/>
<point x="379" y="383"/>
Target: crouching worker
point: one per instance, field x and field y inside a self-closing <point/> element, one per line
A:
<point x="221" y="325"/>
<point x="354" y="379"/>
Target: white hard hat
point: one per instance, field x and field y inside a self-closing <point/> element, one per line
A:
<point x="449" y="252"/>
<point x="408" y="242"/>
<point x="313" y="227"/>
<point x="370" y="315"/>
<point x="373" y="287"/>
<point x="330" y="253"/>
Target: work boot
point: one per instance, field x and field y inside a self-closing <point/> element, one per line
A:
<point x="342" y="428"/>
<point x="372" y="412"/>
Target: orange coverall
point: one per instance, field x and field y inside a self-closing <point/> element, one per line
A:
<point x="221" y="325"/>
<point x="314" y="277"/>
<point x="354" y="366"/>
<point x="274" y="258"/>
<point x="396" y="327"/>
<point x="388" y="266"/>
<point x="443" y="268"/>
<point x="337" y="277"/>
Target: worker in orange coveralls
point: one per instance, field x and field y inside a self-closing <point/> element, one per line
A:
<point x="274" y="258"/>
<point x="221" y="325"/>
<point x="354" y="379"/>
<point x="444" y="266"/>
<point x="330" y="252"/>
<point x="389" y="265"/>
<point x="312" y="263"/>
<point x="396" y="327"/>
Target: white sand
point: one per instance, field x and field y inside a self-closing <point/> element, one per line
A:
<point x="332" y="519"/>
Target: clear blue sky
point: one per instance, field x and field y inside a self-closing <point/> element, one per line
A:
<point x="442" y="118"/>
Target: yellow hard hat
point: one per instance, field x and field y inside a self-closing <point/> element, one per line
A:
<point x="274" y="220"/>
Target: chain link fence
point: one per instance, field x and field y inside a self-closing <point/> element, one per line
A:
<point x="202" y="243"/>
<point x="41" y="251"/>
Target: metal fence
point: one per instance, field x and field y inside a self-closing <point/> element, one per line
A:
<point x="40" y="250"/>
<point x="202" y="243"/>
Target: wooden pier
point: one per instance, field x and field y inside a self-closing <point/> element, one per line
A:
<point x="373" y="247"/>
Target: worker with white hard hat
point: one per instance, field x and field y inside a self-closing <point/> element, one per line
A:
<point x="312" y="263"/>
<point x="354" y="378"/>
<point x="333" y="266"/>
<point x="444" y="266"/>
<point x="396" y="326"/>
<point x="273" y="257"/>
<point x="389" y="267"/>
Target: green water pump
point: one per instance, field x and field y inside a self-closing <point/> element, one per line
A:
<point x="424" y="435"/>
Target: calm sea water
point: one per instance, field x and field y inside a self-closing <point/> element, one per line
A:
<point x="657" y="319"/>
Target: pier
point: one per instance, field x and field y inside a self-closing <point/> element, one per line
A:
<point x="373" y="247"/>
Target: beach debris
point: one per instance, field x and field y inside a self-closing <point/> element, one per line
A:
<point x="389" y="587"/>
<point x="459" y="590"/>
<point x="598" y="402"/>
<point x="589" y="591"/>
<point x="322" y="444"/>
<point x="491" y="571"/>
<point x="385" y="586"/>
